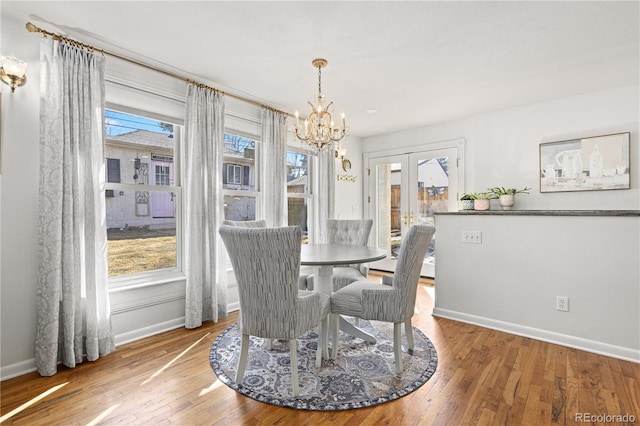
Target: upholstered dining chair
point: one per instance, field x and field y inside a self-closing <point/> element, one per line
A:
<point x="266" y="262"/>
<point x="392" y="301"/>
<point x="258" y="223"/>
<point x="261" y="223"/>
<point x="347" y="231"/>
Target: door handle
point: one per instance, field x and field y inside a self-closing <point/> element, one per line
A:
<point x="412" y="218"/>
<point x="404" y="218"/>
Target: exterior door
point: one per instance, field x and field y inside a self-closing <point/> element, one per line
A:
<point x="407" y="189"/>
<point x="163" y="204"/>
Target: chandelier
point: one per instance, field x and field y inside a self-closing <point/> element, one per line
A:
<point x="319" y="130"/>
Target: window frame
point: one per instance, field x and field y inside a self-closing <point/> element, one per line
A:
<point x="310" y="194"/>
<point x="164" y="275"/>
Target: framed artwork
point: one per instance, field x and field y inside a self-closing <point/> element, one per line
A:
<point x="595" y="163"/>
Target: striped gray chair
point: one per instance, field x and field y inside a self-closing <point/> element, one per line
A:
<point x="261" y="223"/>
<point x="266" y="262"/>
<point x="392" y="301"/>
<point x="347" y="231"/>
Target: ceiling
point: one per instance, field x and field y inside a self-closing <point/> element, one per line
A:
<point x="417" y="63"/>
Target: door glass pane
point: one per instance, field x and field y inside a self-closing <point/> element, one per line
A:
<point x="388" y="204"/>
<point x="433" y="194"/>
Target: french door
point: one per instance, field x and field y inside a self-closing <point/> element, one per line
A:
<point x="407" y="189"/>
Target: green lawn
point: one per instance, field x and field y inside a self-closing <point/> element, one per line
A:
<point x="133" y="255"/>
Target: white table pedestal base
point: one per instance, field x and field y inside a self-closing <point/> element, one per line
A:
<point x="323" y="283"/>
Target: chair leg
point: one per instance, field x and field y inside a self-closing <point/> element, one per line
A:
<point x="397" y="346"/>
<point x="323" y="337"/>
<point x="293" y="353"/>
<point x="357" y="321"/>
<point x="242" y="362"/>
<point x="267" y="344"/>
<point x="408" y="330"/>
<point x="335" y="323"/>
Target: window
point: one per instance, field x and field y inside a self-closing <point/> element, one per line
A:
<point x="142" y="203"/>
<point x="233" y="174"/>
<point x="113" y="170"/>
<point x="239" y="177"/>
<point x="299" y="194"/>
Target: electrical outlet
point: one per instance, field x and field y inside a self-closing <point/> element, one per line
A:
<point x="562" y="303"/>
<point x="472" y="237"/>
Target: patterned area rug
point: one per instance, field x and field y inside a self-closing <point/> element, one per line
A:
<point x="362" y="375"/>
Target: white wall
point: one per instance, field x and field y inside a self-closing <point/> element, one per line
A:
<point x="502" y="146"/>
<point x="511" y="280"/>
<point x="349" y="194"/>
<point x="502" y="149"/>
<point x="19" y="194"/>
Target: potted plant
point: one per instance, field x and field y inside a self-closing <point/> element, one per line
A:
<point x="467" y="200"/>
<point x="507" y="196"/>
<point x="483" y="200"/>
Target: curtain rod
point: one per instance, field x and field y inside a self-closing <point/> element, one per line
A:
<point x="34" y="29"/>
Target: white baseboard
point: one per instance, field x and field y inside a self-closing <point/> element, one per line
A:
<point x="28" y="366"/>
<point x="235" y="306"/>
<point x="152" y="330"/>
<point x="17" y="369"/>
<point x="601" y="348"/>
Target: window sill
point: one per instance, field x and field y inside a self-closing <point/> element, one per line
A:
<point x="149" y="280"/>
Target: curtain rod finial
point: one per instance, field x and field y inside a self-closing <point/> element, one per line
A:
<point x="31" y="28"/>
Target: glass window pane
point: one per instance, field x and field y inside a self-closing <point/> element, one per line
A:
<point x="298" y="214"/>
<point x="239" y="208"/>
<point x="239" y="171"/>
<point x="297" y="172"/>
<point x="135" y="147"/>
<point x="141" y="231"/>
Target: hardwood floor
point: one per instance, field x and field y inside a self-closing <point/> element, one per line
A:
<point x="484" y="377"/>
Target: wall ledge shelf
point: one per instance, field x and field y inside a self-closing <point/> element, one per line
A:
<point x="606" y="213"/>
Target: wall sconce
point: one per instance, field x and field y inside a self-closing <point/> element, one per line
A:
<point x="340" y="154"/>
<point x="12" y="71"/>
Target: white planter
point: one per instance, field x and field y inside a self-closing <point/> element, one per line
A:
<point x="507" y="201"/>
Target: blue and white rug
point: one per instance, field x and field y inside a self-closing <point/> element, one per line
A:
<point x="362" y="375"/>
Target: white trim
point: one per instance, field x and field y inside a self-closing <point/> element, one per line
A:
<point x="427" y="146"/>
<point x="152" y="330"/>
<point x="601" y="348"/>
<point x="147" y="302"/>
<point x="149" y="279"/>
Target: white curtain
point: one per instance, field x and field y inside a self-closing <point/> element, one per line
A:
<point x="206" y="292"/>
<point x="73" y="299"/>
<point x="273" y="168"/>
<point x="326" y="192"/>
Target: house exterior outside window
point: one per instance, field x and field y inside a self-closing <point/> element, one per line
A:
<point x="239" y="176"/>
<point x="142" y="199"/>
<point x="299" y="194"/>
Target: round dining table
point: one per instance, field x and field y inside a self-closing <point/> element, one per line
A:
<point x="323" y="257"/>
